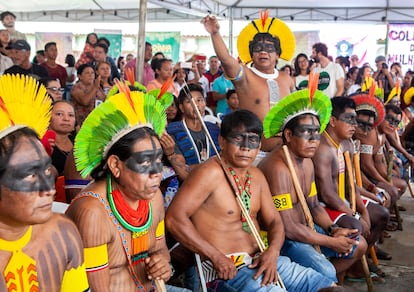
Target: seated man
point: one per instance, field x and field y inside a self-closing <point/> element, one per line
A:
<point x="205" y="217"/>
<point x="301" y="135"/>
<point x="372" y="155"/>
<point x="39" y="250"/>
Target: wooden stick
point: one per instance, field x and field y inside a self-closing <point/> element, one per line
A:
<point x="299" y="193"/>
<point x="358" y="179"/>
<point x="229" y="178"/>
<point x="160" y="285"/>
<point x="364" y="262"/>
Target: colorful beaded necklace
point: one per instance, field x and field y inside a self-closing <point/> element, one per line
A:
<point x="244" y="193"/>
<point x="137" y="221"/>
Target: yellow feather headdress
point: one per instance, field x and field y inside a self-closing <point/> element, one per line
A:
<point x="275" y="27"/>
<point x="24" y="102"/>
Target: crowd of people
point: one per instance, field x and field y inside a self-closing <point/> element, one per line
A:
<point x="302" y="166"/>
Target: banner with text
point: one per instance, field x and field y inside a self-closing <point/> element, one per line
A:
<point x="166" y="42"/>
<point x="400" y="45"/>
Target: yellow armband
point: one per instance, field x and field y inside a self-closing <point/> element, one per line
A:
<point x="160" y="231"/>
<point x="313" y="190"/>
<point x="282" y="202"/>
<point x="96" y="258"/>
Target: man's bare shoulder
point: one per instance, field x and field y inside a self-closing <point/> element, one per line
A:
<point x="370" y="139"/>
<point x="57" y="223"/>
<point x="274" y="160"/>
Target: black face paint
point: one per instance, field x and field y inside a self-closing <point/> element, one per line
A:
<point x="263" y="47"/>
<point x="146" y="162"/>
<point x="307" y="132"/>
<point x="244" y="140"/>
<point x="364" y="126"/>
<point x="393" y="121"/>
<point x="32" y="176"/>
<point x="349" y="118"/>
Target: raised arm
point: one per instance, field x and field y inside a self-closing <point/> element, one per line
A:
<point x="230" y="65"/>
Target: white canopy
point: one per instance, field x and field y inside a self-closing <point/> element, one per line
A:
<point x="181" y="10"/>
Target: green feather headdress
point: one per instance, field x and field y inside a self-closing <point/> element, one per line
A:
<point x="306" y="101"/>
<point x="119" y="115"/>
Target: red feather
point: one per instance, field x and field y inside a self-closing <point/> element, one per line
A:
<point x="4" y="108"/>
<point x="164" y="88"/>
<point x="130" y="76"/>
<point x="263" y="16"/>
<point x="122" y="87"/>
<point x="312" y="84"/>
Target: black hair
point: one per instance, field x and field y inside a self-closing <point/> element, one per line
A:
<point x="261" y="37"/>
<point x="105" y="40"/>
<point x="156" y="64"/>
<point x="290" y="69"/>
<point x="241" y="119"/>
<point x="70" y="60"/>
<point x="123" y="149"/>
<point x="103" y="46"/>
<point x="185" y="90"/>
<point x="82" y="67"/>
<point x="49" y="44"/>
<point x="229" y="93"/>
<point x="366" y="112"/>
<point x="340" y="104"/>
<point x="395" y="109"/>
<point x="5" y="13"/>
<point x="88" y="35"/>
<point x="296" y="64"/>
<point x="118" y="62"/>
<point x="294" y="123"/>
<point x="321" y="48"/>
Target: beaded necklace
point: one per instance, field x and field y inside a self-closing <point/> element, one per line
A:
<point x="129" y="219"/>
<point x="245" y="195"/>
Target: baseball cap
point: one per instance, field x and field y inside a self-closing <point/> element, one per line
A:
<point x="379" y="59"/>
<point x="19" y="45"/>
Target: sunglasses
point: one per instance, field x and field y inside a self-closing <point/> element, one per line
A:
<point x="392" y="121"/>
<point x="56" y="89"/>
<point x="364" y="126"/>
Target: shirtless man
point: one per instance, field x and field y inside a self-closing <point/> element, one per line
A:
<point x="372" y="154"/>
<point x="330" y="167"/>
<point x="301" y="135"/>
<point x="205" y="217"/>
<point x="125" y="247"/>
<point x="39" y="250"/>
<point x="260" y="85"/>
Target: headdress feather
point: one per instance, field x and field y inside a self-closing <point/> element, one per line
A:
<point x="369" y="102"/>
<point x="313" y="84"/>
<point x="408" y="95"/>
<point x="396" y="91"/>
<point x="295" y="104"/>
<point x="113" y="119"/>
<point x="275" y="27"/>
<point x="24" y="103"/>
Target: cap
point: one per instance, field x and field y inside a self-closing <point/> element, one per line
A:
<point x="5" y="13"/>
<point x="379" y="59"/>
<point x="19" y="45"/>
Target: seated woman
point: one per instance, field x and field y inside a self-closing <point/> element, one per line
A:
<point x="53" y="87"/>
<point x="62" y="122"/>
<point x="103" y="70"/>
<point x="163" y="71"/>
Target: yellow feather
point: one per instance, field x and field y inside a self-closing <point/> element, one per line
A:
<point x="124" y="106"/>
<point x="26" y="101"/>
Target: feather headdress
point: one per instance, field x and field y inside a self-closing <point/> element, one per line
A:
<point x="369" y="102"/>
<point x="306" y="101"/>
<point x="266" y="24"/>
<point x="24" y="102"/>
<point x="408" y="95"/>
<point x="396" y="91"/>
<point x="119" y="115"/>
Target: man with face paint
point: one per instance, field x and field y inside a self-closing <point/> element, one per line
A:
<point x="300" y="125"/>
<point x="258" y="83"/>
<point x="125" y="247"/>
<point x="205" y="217"/>
<point x="39" y="250"/>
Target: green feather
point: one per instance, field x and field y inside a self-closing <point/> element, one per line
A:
<point x="294" y="104"/>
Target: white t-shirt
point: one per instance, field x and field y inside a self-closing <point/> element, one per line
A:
<point x="328" y="77"/>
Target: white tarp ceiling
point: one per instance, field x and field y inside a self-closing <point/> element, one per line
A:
<point x="182" y="10"/>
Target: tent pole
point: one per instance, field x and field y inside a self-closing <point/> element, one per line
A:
<point x="139" y="73"/>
